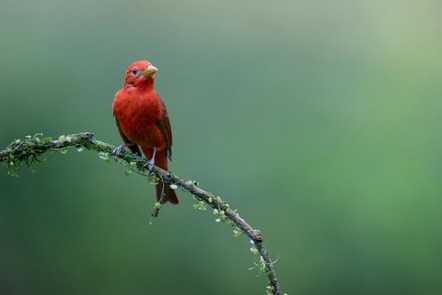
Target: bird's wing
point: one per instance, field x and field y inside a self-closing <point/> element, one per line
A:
<point x="132" y="146"/>
<point x="164" y="125"/>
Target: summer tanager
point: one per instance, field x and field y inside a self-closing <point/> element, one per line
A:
<point x="143" y="121"/>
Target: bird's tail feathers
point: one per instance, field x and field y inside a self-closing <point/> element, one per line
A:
<point x="171" y="195"/>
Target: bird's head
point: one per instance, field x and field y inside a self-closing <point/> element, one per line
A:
<point x="140" y="73"/>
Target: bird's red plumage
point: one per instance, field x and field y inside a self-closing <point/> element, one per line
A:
<point x="143" y="120"/>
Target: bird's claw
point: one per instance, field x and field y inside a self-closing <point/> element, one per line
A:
<point x="118" y="150"/>
<point x="151" y="162"/>
<point x="149" y="165"/>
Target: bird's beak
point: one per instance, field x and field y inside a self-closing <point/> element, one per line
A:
<point x="150" y="71"/>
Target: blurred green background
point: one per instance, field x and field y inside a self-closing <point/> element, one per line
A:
<point x="319" y="120"/>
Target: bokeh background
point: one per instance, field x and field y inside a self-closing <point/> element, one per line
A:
<point x="318" y="120"/>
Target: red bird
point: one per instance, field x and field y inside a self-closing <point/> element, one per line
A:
<point x="143" y="121"/>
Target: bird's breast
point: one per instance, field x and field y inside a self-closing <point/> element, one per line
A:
<point x="138" y="115"/>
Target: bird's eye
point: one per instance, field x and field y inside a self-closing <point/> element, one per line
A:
<point x="134" y="71"/>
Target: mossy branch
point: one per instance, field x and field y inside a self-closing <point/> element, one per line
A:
<point x="29" y="149"/>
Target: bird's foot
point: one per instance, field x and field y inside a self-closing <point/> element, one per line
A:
<point x="151" y="162"/>
<point x="149" y="165"/>
<point x="118" y="150"/>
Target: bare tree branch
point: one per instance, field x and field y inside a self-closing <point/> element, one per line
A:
<point x="29" y="149"/>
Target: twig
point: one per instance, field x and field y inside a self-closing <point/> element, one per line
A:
<point x="29" y="149"/>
